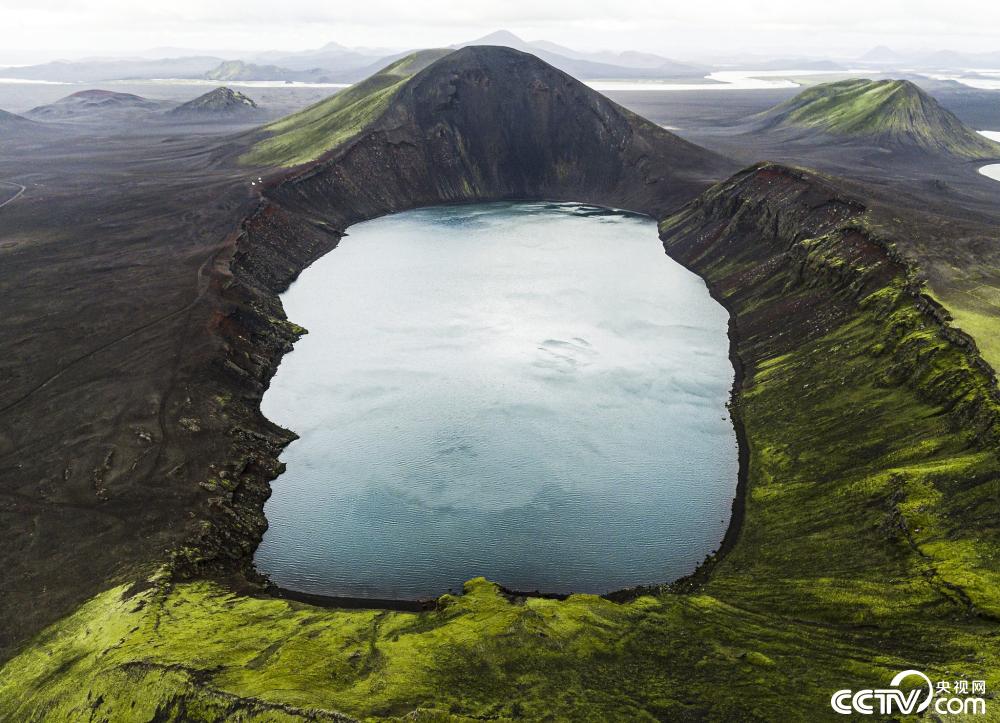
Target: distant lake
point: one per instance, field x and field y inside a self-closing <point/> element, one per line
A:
<point x="733" y="80"/>
<point x="991" y="171"/>
<point x="532" y="392"/>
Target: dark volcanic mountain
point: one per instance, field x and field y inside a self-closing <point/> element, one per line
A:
<point x="893" y="114"/>
<point x="483" y="122"/>
<point x="96" y="105"/>
<point x="219" y="102"/>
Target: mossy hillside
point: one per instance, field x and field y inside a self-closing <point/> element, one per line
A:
<point x="918" y="503"/>
<point x="198" y="652"/>
<point x="323" y="127"/>
<point x="888" y="111"/>
<point x="869" y="543"/>
<point x="773" y="631"/>
<point x="773" y="218"/>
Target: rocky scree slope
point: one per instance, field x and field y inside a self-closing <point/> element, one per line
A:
<point x="220" y="101"/>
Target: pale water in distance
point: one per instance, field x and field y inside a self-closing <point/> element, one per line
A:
<point x="991" y="171"/>
<point x="530" y="392"/>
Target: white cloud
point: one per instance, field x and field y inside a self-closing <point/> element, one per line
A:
<point x="671" y="28"/>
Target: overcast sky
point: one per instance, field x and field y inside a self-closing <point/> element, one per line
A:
<point x="31" y="30"/>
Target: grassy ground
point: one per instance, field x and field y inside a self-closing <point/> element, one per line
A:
<point x="869" y="546"/>
<point x="977" y="311"/>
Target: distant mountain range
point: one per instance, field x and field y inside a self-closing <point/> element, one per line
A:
<point x="596" y="65"/>
<point x="232" y="70"/>
<point x="94" y="71"/>
<point x="330" y="57"/>
<point x="930" y="59"/>
<point x="335" y="63"/>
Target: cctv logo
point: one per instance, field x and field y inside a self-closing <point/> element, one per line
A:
<point x="887" y="701"/>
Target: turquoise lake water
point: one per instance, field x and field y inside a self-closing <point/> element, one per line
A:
<point x="532" y="392"/>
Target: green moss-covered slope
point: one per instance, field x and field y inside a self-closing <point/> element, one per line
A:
<point x="320" y="128"/>
<point x="869" y="543"/>
<point x="892" y="112"/>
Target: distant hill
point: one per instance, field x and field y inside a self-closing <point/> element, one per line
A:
<point x="626" y="59"/>
<point x="10" y="120"/>
<point x="330" y="57"/>
<point x="219" y="102"/>
<point x="16" y="129"/>
<point x="930" y="60"/>
<point x="96" y="105"/>
<point x="589" y="66"/>
<point x="313" y="66"/>
<point x="231" y="70"/>
<point x="889" y="113"/>
<point x="338" y="64"/>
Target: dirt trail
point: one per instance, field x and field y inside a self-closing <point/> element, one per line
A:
<point x="20" y="192"/>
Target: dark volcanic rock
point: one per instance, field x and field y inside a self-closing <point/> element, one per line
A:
<point x="219" y="102"/>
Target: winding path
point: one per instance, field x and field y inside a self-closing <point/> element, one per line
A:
<point x="20" y="192"/>
<point x="203" y="274"/>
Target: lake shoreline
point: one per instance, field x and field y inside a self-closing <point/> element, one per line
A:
<point x="702" y="573"/>
<point x="331" y="549"/>
<point x="685" y="583"/>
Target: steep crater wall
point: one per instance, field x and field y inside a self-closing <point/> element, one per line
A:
<point x="789" y="254"/>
